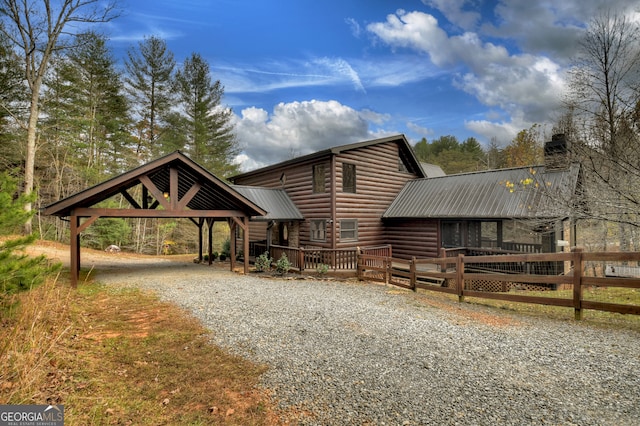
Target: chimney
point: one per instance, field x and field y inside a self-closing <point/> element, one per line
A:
<point x="556" y="153"/>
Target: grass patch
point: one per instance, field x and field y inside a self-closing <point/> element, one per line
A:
<point x="122" y="357"/>
<point x="616" y="295"/>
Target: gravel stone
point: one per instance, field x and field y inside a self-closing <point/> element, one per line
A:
<point x="346" y="352"/>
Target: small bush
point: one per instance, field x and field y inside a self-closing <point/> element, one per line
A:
<point x="223" y="257"/>
<point x="283" y="264"/>
<point x="322" y="269"/>
<point x="214" y="255"/>
<point x="226" y="249"/>
<point x="263" y="262"/>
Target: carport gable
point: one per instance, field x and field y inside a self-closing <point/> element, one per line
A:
<point x="172" y="186"/>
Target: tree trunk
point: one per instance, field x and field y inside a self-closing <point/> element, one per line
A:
<point x="30" y="155"/>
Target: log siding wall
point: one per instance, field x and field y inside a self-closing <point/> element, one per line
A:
<point x="378" y="182"/>
<point x="417" y="237"/>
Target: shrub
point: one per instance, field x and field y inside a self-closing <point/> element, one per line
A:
<point x="322" y="269"/>
<point x="263" y="262"/>
<point x="283" y="264"/>
<point x="226" y="249"/>
<point x="223" y="257"/>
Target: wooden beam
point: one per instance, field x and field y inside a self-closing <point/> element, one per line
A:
<point x="145" y="197"/>
<point x="173" y="188"/>
<point x="105" y="212"/>
<point x="87" y="223"/>
<point x="157" y="194"/>
<point x="130" y="199"/>
<point x="188" y="196"/>
<point x="239" y="221"/>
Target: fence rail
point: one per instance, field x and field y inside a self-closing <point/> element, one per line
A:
<point x="500" y="276"/>
<point x="313" y="258"/>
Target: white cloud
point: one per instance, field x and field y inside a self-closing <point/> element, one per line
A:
<point x="519" y="84"/>
<point x="454" y="11"/>
<point x="296" y="128"/>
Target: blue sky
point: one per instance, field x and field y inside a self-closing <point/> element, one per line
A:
<point x="305" y="75"/>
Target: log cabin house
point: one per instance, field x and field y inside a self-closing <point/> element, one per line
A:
<point x="376" y="193"/>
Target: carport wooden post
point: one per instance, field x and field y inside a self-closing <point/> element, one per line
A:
<point x="210" y="243"/>
<point x="200" y="224"/>
<point x="74" y="261"/>
<point x="245" y="220"/>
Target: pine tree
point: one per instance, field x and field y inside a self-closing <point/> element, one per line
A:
<point x="150" y="74"/>
<point x="12" y="94"/>
<point x="18" y="272"/>
<point x="88" y="111"/>
<point x="205" y="124"/>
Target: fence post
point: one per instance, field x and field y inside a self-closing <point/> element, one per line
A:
<point x="460" y="276"/>
<point x="577" y="283"/>
<point x="412" y="271"/>
<point x="301" y="258"/>
<point x="386" y="262"/>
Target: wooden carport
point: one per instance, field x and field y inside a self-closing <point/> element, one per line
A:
<point x="173" y="186"/>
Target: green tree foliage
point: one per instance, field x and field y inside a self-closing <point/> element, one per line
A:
<point x="150" y="83"/>
<point x="12" y="95"/>
<point x="87" y="120"/>
<point x="203" y="125"/>
<point x="37" y="30"/>
<point x="18" y="272"/>
<point x="526" y="149"/>
<point x="453" y="156"/>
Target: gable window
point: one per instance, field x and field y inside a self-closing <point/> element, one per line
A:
<point x="349" y="230"/>
<point x="318" y="230"/>
<point x="349" y="178"/>
<point x="318" y="178"/>
<point x="401" y="166"/>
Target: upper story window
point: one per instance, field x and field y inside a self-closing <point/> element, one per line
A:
<point x="348" y="178"/>
<point x="318" y="178"/>
<point x="401" y="166"/>
<point x="318" y="230"/>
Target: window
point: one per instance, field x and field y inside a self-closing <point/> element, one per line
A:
<point x="348" y="178"/>
<point x="318" y="178"/>
<point x="401" y="166"/>
<point x="318" y="230"/>
<point x="451" y="234"/>
<point x="349" y="230"/>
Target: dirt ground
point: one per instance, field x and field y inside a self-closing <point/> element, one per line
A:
<point x="124" y="267"/>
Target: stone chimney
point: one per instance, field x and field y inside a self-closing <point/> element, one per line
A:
<point x="557" y="153"/>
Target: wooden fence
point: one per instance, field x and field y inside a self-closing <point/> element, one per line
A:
<point x="499" y="276"/>
<point x="314" y="258"/>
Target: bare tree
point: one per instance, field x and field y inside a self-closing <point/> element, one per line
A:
<point x="37" y="29"/>
<point x="602" y="118"/>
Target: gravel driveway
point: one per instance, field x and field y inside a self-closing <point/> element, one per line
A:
<point x="349" y="353"/>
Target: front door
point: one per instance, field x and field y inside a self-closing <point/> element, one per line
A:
<point x="283" y="234"/>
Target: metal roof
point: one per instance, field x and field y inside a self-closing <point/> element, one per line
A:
<point x="432" y="170"/>
<point x="488" y="195"/>
<point x="275" y="202"/>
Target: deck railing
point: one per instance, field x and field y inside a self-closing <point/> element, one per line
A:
<point x="500" y="277"/>
<point x="314" y="258"/>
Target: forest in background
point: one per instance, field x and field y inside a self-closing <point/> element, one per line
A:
<point x="71" y="116"/>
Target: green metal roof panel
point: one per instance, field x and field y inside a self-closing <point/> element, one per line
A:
<point x="275" y="202"/>
<point x="488" y="195"/>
